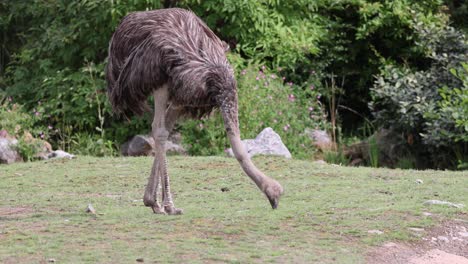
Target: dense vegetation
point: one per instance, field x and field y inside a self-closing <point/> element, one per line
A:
<point x="324" y="56"/>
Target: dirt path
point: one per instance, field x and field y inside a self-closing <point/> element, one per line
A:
<point x="445" y="244"/>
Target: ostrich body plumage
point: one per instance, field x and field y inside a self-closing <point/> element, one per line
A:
<point x="171" y="46"/>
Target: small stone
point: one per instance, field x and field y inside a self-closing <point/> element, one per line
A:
<point x="60" y="154"/>
<point x="90" y="209"/>
<point x="463" y="234"/>
<point x="390" y="244"/>
<point x="140" y="260"/>
<point x="419" y="181"/>
<point x="426" y="214"/>
<point x="434" y="239"/>
<point x="225" y="189"/>
<point x="416" y="229"/>
<point x="443" y="238"/>
<point x="374" y="231"/>
<point x="437" y="202"/>
<point x="320" y="162"/>
<point x="51" y="260"/>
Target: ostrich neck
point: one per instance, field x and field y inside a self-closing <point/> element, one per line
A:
<point x="233" y="133"/>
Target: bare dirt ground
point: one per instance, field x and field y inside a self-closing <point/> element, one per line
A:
<point x="444" y="244"/>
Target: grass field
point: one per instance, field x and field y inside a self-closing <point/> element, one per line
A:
<point x="324" y="216"/>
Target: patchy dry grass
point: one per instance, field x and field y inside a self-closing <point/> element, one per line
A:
<point x="324" y="215"/>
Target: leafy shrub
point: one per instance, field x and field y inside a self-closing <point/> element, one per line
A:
<point x="13" y="119"/>
<point x="285" y="32"/>
<point x="92" y="145"/>
<point x="23" y="126"/>
<point x="58" y="60"/>
<point x="413" y="102"/>
<point x="265" y="100"/>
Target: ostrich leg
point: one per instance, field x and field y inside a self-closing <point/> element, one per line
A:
<point x="159" y="134"/>
<point x="159" y="169"/>
<point x="171" y="117"/>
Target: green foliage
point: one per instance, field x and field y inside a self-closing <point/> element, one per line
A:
<point x="336" y="157"/>
<point x="413" y="103"/>
<point x="58" y="72"/>
<point x="373" y="152"/>
<point x="447" y="120"/>
<point x="264" y="101"/>
<point x="284" y="33"/>
<point x="13" y="118"/>
<point x="28" y="148"/>
<point x="92" y="145"/>
<point x="53" y="64"/>
<point x="23" y="126"/>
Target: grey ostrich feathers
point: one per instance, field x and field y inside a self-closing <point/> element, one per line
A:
<point x="172" y="55"/>
<point x="166" y="46"/>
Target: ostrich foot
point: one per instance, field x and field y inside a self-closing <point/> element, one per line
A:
<point x="171" y="210"/>
<point x="273" y="193"/>
<point x="157" y="209"/>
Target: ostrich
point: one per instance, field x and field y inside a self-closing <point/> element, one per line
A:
<point x="173" y="55"/>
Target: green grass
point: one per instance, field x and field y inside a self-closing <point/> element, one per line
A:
<point x="324" y="215"/>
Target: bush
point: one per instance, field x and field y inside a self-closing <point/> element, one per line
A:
<point x="58" y="60"/>
<point x="265" y="100"/>
<point x="429" y="107"/>
<point x="23" y="126"/>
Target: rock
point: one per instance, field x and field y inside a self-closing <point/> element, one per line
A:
<point x="173" y="148"/>
<point x="51" y="260"/>
<point x="28" y="138"/>
<point x="141" y="145"/>
<point x="8" y="152"/>
<point x="374" y="231"/>
<point x="437" y="202"/>
<point x="268" y="142"/>
<point x="426" y="214"/>
<point x="391" y="148"/>
<point x="90" y="209"/>
<point x="463" y="234"/>
<point x="415" y="229"/>
<point x="419" y="181"/>
<point x="320" y="138"/>
<point x="60" y="154"/>
<point x="45" y="151"/>
<point x="140" y="260"/>
<point x="443" y="238"/>
<point x="390" y="244"/>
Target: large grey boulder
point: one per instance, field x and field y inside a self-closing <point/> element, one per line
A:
<point x="268" y="142"/>
<point x="8" y="152"/>
<point x="139" y="145"/>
